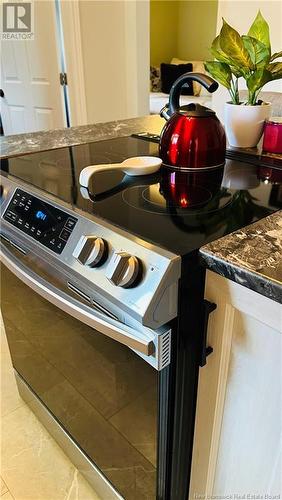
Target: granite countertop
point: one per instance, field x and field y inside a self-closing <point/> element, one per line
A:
<point x="20" y="144"/>
<point x="250" y="257"/>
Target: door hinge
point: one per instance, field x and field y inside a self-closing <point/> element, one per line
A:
<point x="63" y="79"/>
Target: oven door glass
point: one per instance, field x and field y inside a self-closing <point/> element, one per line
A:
<point x="99" y="390"/>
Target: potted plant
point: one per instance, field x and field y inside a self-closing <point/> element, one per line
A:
<point x="248" y="57"/>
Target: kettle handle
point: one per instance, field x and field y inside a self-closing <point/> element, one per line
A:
<point x="175" y="91"/>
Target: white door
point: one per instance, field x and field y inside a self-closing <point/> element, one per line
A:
<point x="30" y="77"/>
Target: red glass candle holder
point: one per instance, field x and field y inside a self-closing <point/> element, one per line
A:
<point x="272" y="139"/>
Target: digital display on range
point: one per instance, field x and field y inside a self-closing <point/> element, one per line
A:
<point x="41" y="215"/>
<point x="48" y="225"/>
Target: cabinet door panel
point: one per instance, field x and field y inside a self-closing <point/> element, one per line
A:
<point x="251" y="425"/>
<point x="237" y="442"/>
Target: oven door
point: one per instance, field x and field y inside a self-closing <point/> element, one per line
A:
<point x="78" y="364"/>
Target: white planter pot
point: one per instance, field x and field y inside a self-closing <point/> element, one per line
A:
<point x="244" y="124"/>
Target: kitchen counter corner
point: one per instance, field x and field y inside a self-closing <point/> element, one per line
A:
<point x="251" y="256"/>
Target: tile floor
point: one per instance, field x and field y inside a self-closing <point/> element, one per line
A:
<point x="32" y="466"/>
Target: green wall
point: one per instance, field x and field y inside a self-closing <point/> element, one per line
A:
<point x="163" y="31"/>
<point x="196" y="28"/>
<point x="183" y="29"/>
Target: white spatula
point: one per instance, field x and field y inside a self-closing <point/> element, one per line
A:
<point x="139" y="165"/>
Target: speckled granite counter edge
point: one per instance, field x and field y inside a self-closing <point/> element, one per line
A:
<point x="251" y="256"/>
<point x="256" y="282"/>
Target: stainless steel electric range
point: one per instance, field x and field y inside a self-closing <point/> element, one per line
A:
<point x="103" y="303"/>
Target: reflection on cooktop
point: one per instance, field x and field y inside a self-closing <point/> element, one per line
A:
<point x="187" y="201"/>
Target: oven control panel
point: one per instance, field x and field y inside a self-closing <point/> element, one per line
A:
<point x="130" y="278"/>
<point x="40" y="220"/>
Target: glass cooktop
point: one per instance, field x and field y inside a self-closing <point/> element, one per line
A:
<point x="176" y="210"/>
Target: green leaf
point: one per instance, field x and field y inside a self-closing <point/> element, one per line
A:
<point x="275" y="70"/>
<point x="218" y="53"/>
<point x="237" y="71"/>
<point x="276" y="55"/>
<point x="258" y="79"/>
<point x="232" y="44"/>
<point x="220" y="72"/>
<point x="260" y="30"/>
<point x="258" y="52"/>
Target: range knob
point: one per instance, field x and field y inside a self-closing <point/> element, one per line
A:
<point x="91" y="251"/>
<point x="123" y="269"/>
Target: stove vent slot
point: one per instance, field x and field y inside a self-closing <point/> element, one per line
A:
<point x="15" y="245"/>
<point x="79" y="292"/>
<point x="165" y="349"/>
<point x="91" y="301"/>
<point x="103" y="310"/>
<point x="3" y="237"/>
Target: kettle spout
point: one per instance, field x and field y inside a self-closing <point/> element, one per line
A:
<point x="164" y="112"/>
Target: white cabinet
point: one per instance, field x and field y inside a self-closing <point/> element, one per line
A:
<point x="237" y="445"/>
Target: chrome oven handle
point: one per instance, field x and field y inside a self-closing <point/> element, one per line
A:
<point x="107" y="326"/>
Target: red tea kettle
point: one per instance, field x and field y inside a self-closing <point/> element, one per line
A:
<point x="193" y="137"/>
